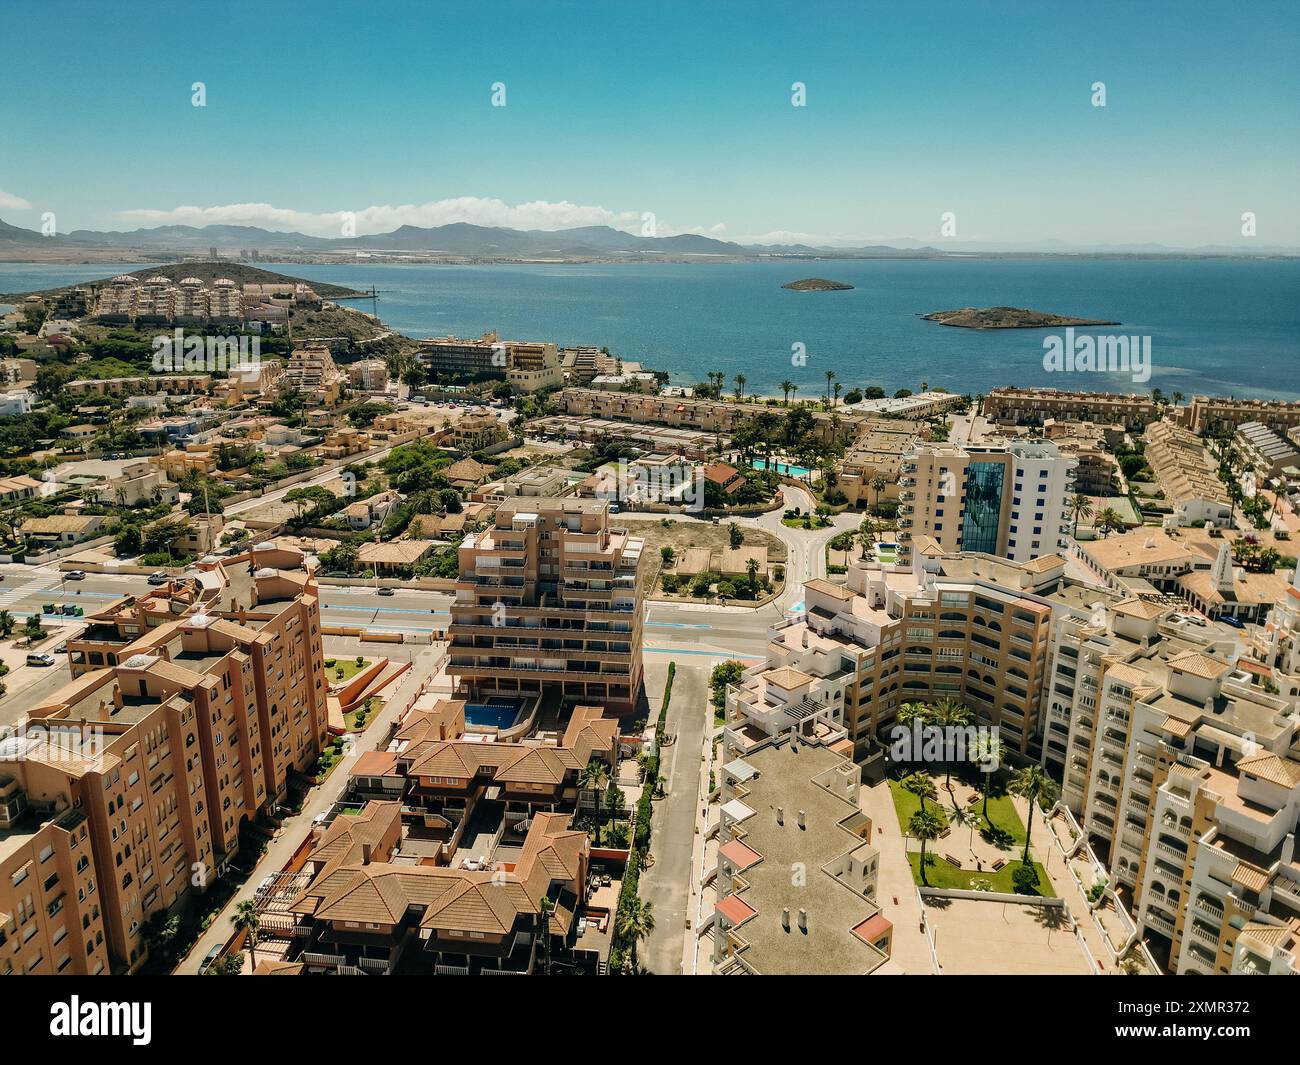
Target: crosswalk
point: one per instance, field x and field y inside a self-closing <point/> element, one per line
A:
<point x="17" y="593"/>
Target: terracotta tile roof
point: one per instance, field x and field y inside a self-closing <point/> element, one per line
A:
<point x="740" y="856"/>
<point x="787" y="677"/>
<point x="1199" y="665"/>
<point x="735" y="909"/>
<point x="1271" y="767"/>
<point x="1251" y="877"/>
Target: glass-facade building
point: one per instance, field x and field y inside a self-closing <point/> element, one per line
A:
<point x="979" y="531"/>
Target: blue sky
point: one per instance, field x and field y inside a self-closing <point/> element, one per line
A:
<point x="913" y="109"/>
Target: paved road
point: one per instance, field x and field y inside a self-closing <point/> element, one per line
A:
<point x="666" y="884"/>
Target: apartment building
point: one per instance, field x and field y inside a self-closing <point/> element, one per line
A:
<point x="704" y="415"/>
<point x="1002" y="499"/>
<point x="1181" y="768"/>
<point x="196" y="384"/>
<point x="531" y="367"/>
<point x="869" y="471"/>
<point x="1218" y="414"/>
<point x="684" y="442"/>
<point x="457" y="357"/>
<point x="255" y="614"/>
<point x="160" y="300"/>
<point x="1188" y="475"/>
<point x="783" y="806"/>
<point x="370" y="905"/>
<point x="549" y="601"/>
<point x="966" y="626"/>
<point x="1096" y="472"/>
<point x="1267" y="451"/>
<point x="921" y="405"/>
<point x="311" y="371"/>
<point x="1033" y="406"/>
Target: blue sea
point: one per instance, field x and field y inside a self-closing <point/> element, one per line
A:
<point x="1224" y="327"/>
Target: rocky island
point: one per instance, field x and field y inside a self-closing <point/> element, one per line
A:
<point x="1007" y="318"/>
<point x="817" y="284"/>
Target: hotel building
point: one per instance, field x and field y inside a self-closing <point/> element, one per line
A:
<point x="1002" y="499"/>
<point x="549" y="601"/>
<point x="533" y="367"/>
<point x="1033" y="406"/>
<point x="457" y="357"/>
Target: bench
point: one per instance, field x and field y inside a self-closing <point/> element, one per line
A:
<point x="950" y="859"/>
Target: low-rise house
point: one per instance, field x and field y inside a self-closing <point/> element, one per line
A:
<point x="372" y="511"/>
<point x="395" y="559"/>
<point x="60" y="529"/>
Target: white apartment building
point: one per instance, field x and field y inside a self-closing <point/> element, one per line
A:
<point x="1010" y="500"/>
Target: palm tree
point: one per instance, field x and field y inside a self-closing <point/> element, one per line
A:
<point x="1034" y="786"/>
<point x="989" y="752"/>
<point x="740" y="380"/>
<point x="1080" y="507"/>
<point x="830" y="376"/>
<point x="545" y="907"/>
<point x="867" y="535"/>
<point x="635" y="922"/>
<point x="878" y="483"/>
<point x="595" y="777"/>
<point x="1108" y="521"/>
<point x="920" y="784"/>
<point x="787" y="387"/>
<point x="248" y="920"/>
<point x="925" y="826"/>
<point x="950" y="714"/>
<point x="794" y="388"/>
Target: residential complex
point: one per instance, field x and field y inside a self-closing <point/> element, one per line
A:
<point x="1033" y="406"/>
<point x="549" y="601"/>
<point x="1220" y="414"/>
<point x="1187" y="474"/>
<point x="1009" y="500"/>
<point x="124" y="793"/>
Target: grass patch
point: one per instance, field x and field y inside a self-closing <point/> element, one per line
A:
<point x="906" y="804"/>
<point x="943" y="874"/>
<point x="341" y="670"/>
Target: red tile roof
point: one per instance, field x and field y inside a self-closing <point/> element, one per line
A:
<point x="740" y="856"/>
<point x="735" y="909"/>
<point x="873" y="928"/>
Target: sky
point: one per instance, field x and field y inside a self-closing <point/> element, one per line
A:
<point x="980" y="115"/>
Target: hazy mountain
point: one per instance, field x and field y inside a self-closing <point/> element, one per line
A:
<point x="465" y="240"/>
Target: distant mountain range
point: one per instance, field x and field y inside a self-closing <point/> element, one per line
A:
<point x="461" y="240"/>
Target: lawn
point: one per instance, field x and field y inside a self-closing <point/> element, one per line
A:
<point x="943" y="874"/>
<point x="347" y="665"/>
<point x="906" y="804"/>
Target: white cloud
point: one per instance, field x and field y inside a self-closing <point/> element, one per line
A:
<point x="12" y="202"/>
<point x="537" y="214"/>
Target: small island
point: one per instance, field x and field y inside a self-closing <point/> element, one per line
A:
<point x="817" y="284"/>
<point x="1006" y="318"/>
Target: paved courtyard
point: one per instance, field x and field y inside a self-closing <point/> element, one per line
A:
<point x="978" y="937"/>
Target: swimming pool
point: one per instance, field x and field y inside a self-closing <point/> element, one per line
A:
<point x="499" y="712"/>
<point x="781" y="467"/>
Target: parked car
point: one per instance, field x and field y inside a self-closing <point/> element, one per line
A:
<point x="40" y="658"/>
<point x="211" y="956"/>
<point x="75" y="575"/>
<point x="158" y="577"/>
<point x="1233" y="620"/>
<point x="1191" y="619"/>
<point x="386" y="591"/>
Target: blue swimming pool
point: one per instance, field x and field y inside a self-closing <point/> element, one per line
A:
<point x="499" y="712"/>
<point x="781" y="467"/>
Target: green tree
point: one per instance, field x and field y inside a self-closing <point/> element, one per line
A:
<point x="545" y="907"/>
<point x="734" y="536"/>
<point x="1080" y="507"/>
<point x="248" y="920"/>
<point x="635" y="922"/>
<point x="925" y="826"/>
<point x="1034" y="786"/>
<point x="920" y="784"/>
<point x="594" y="777"/>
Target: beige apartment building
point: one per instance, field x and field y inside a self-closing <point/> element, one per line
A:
<point x="459" y="357"/>
<point x="966" y="626"/>
<point x="1033" y="406"/>
<point x="1002" y="499"/>
<point x="172" y="384"/>
<point x="1181" y="768"/>
<point x="869" y="471"/>
<point x="1188" y="475"/>
<point x="549" y="601"/>
<point x="532" y="367"/>
<point x="312" y="372"/>
<point x="1220" y="414"/>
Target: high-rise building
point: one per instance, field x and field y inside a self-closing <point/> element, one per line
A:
<point x="1009" y="499"/>
<point x="549" y="600"/>
<point x="124" y="793"/>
